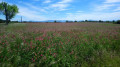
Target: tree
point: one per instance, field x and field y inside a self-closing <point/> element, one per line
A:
<point x="66" y="21"/>
<point x="8" y="10"/>
<point x="55" y="21"/>
<point x="107" y="21"/>
<point x="118" y="21"/>
<point x="100" y="21"/>
<point x="2" y="21"/>
<point x="86" y="20"/>
<point x="113" y="21"/>
<point x="75" y="21"/>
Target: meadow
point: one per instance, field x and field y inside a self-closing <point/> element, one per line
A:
<point x="60" y="45"/>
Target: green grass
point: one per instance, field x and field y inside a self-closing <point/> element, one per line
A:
<point x="60" y="45"/>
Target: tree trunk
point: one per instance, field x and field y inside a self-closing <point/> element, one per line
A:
<point x="7" y="21"/>
<point x="6" y="14"/>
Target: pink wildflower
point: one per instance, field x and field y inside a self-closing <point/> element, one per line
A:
<point x="41" y="55"/>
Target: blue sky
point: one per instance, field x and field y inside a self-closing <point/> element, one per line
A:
<point x="38" y="10"/>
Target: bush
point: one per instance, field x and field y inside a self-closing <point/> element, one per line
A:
<point x="2" y="21"/>
<point x="100" y="21"/>
<point x="107" y="21"/>
<point x="75" y="21"/>
<point x="86" y="20"/>
<point x="118" y="22"/>
<point x="55" y="21"/>
<point x="66" y="21"/>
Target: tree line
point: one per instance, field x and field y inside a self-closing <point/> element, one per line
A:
<point x="100" y="21"/>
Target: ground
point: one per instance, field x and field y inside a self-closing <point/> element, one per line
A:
<point x="60" y="45"/>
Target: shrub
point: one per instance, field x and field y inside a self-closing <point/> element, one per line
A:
<point x="100" y="21"/>
<point x="75" y="21"/>
<point x="86" y="20"/>
<point x="66" y="21"/>
<point x="55" y="21"/>
<point x="107" y="21"/>
<point x="118" y="22"/>
<point x="2" y="21"/>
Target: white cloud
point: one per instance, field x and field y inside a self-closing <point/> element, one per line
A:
<point x="117" y="9"/>
<point x="33" y="7"/>
<point x="112" y="1"/>
<point x="69" y="13"/>
<point x="103" y="7"/>
<point x="65" y="1"/>
<point x="47" y="1"/>
<point x="36" y="0"/>
<point x="93" y="16"/>
<point x="30" y="14"/>
<point x="98" y="12"/>
<point x="61" y="6"/>
<point x="79" y="11"/>
<point x="107" y="5"/>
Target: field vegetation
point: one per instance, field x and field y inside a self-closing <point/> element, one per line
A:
<point x="60" y="45"/>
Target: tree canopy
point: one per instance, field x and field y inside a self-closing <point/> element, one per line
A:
<point x="8" y="10"/>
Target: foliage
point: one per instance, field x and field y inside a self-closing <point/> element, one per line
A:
<point x="55" y="21"/>
<point x="60" y="45"/>
<point x="86" y="20"/>
<point x="66" y="21"/>
<point x="2" y="21"/>
<point x="75" y="21"/>
<point x="118" y="22"/>
<point x="8" y="10"/>
<point x="100" y="21"/>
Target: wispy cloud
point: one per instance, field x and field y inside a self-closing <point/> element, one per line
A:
<point x="103" y="7"/>
<point x="112" y="1"/>
<point x="30" y="14"/>
<point x="79" y="11"/>
<point x="93" y="16"/>
<point x="61" y="6"/>
<point x="65" y="1"/>
<point x="36" y="0"/>
<point x="107" y="5"/>
<point x="47" y="1"/>
<point x="69" y="13"/>
<point x="33" y="7"/>
<point x="117" y="9"/>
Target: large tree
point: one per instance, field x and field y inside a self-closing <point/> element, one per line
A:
<point x="8" y="10"/>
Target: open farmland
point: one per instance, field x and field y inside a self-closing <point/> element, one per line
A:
<point x="60" y="45"/>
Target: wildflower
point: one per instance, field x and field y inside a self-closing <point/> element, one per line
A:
<point x="39" y="38"/>
<point x="31" y="46"/>
<point x="41" y="55"/>
<point x="44" y="34"/>
<point x="3" y="43"/>
<point x="33" y="60"/>
<point x="35" y="54"/>
<point x="54" y="55"/>
<point x="31" y="43"/>
<point x="18" y="46"/>
<point x="13" y="36"/>
<point x="72" y="52"/>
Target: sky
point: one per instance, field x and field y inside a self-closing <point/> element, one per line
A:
<point x="39" y="10"/>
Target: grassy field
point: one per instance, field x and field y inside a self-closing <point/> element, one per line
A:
<point x="60" y="45"/>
